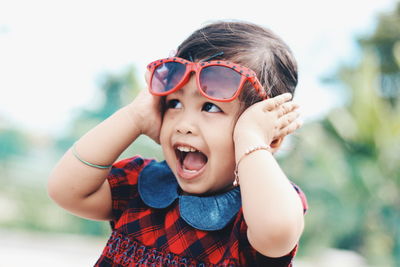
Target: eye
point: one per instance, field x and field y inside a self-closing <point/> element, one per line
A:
<point x="210" y="107"/>
<point x="174" y="103"/>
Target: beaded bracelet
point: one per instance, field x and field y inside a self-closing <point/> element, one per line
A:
<point x="248" y="152"/>
<point x="86" y="162"/>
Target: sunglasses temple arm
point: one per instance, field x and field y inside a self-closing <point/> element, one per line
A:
<point x="260" y="89"/>
<point x="213" y="56"/>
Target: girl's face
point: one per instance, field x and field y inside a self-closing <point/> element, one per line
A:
<point x="197" y="140"/>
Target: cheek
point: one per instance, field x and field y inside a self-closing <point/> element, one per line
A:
<point x="165" y="142"/>
<point x="165" y="130"/>
<point x="222" y="140"/>
<point x="227" y="146"/>
<point x="164" y="134"/>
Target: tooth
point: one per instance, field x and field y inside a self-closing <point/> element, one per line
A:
<point x="186" y="149"/>
<point x="190" y="171"/>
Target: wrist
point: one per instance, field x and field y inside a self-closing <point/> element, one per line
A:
<point x="243" y="142"/>
<point x="133" y="118"/>
<point x="248" y="151"/>
<point x="145" y="117"/>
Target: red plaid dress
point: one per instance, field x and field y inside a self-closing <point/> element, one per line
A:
<point x="143" y="236"/>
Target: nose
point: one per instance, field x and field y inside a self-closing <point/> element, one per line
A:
<point x="187" y="120"/>
<point x="185" y="126"/>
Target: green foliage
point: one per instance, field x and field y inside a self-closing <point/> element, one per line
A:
<point x="115" y="90"/>
<point x="349" y="163"/>
<point x="385" y="42"/>
<point x="12" y="143"/>
<point x="29" y="207"/>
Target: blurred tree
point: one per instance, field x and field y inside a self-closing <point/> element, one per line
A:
<point x="386" y="43"/>
<point x="116" y="90"/>
<point x="349" y="163"/>
<point x="13" y="142"/>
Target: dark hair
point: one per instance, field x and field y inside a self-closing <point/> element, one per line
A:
<point x="249" y="45"/>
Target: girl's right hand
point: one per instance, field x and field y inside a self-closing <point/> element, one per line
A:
<point x="268" y="121"/>
<point x="146" y="114"/>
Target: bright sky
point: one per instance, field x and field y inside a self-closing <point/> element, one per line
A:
<point x="52" y="52"/>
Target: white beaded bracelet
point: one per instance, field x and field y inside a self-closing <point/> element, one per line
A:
<point x="248" y="152"/>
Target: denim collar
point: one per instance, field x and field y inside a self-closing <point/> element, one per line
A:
<point x="158" y="189"/>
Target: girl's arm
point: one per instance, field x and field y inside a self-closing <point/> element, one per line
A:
<point x="271" y="206"/>
<point x="84" y="190"/>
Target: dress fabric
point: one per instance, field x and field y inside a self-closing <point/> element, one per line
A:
<point x="147" y="236"/>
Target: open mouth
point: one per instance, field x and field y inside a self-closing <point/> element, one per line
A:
<point x="191" y="160"/>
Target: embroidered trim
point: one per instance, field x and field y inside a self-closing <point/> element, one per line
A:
<point x="124" y="250"/>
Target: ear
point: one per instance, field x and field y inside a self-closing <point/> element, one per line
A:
<point x="276" y="144"/>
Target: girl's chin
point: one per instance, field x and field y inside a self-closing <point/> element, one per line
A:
<point x="191" y="188"/>
<point x="201" y="189"/>
<point x="194" y="187"/>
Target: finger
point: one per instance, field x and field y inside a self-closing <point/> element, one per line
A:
<point x="280" y="99"/>
<point x="287" y="107"/>
<point x="273" y="103"/>
<point x="289" y="129"/>
<point x="287" y="119"/>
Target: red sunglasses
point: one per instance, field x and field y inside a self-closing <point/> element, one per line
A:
<point x="217" y="80"/>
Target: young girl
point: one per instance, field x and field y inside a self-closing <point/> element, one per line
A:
<point x="220" y="109"/>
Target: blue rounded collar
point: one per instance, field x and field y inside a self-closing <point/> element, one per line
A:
<point x="158" y="189"/>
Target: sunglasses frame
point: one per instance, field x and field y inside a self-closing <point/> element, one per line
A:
<point x="246" y="75"/>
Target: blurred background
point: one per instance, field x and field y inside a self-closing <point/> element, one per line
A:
<point x="67" y="65"/>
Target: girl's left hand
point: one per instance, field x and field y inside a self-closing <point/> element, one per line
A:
<point x="267" y="121"/>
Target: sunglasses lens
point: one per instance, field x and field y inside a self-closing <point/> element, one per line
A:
<point x="167" y="76"/>
<point x="219" y="82"/>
